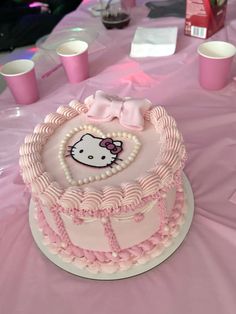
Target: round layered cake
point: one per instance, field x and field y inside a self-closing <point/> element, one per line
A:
<point x="106" y="179"/>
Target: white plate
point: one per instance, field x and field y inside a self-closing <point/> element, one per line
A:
<point x="52" y="41"/>
<point x="15" y="124"/>
<point x="136" y="270"/>
<point x="46" y="56"/>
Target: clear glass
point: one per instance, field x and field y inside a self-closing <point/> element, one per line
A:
<point x="15" y="124"/>
<point x="114" y="14"/>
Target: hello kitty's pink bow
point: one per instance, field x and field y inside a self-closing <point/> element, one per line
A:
<point x="129" y="111"/>
<point x="110" y="145"/>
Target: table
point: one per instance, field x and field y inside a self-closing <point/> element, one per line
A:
<point x="200" y="276"/>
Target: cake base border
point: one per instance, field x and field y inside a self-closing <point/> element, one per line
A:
<point x="136" y="269"/>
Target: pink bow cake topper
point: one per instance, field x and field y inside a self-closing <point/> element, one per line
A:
<point x="129" y="111"/>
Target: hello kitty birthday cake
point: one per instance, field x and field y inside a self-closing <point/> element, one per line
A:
<point x="106" y="179"/>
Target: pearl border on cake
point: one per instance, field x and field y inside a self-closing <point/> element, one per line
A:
<point x="107" y="173"/>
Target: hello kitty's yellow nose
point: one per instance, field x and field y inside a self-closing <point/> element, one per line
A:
<point x="90" y="157"/>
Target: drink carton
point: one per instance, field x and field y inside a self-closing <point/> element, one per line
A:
<point x="204" y="17"/>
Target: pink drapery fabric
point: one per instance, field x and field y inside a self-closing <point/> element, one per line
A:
<point x="200" y="276"/>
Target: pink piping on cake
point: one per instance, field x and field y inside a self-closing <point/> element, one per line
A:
<point x="67" y="112"/>
<point x="162" y="212"/>
<point x="110" y="235"/>
<point x="35" y="137"/>
<point x="121" y="209"/>
<point x="137" y="254"/>
<point x="55" y="118"/>
<point x="163" y="170"/>
<point x="44" y="128"/>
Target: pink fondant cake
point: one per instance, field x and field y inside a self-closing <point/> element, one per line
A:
<point x="106" y="179"/>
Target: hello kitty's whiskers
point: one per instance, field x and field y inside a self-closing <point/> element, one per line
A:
<point x="119" y="159"/>
<point x="67" y="155"/>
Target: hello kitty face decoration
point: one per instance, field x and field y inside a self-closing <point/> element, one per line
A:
<point x="96" y="151"/>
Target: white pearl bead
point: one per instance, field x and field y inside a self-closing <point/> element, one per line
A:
<point x="114" y="254"/>
<point x="123" y="165"/>
<point x="118" y="134"/>
<point x="108" y="173"/>
<point x="113" y="170"/>
<point x="85" y="180"/>
<point x="81" y="127"/>
<point x="73" y="182"/>
<point x="98" y="178"/>
<point x="129" y="136"/>
<point x="76" y="129"/>
<point x="108" y="135"/>
<point x="131" y="158"/>
<point x="124" y="134"/>
<point x="114" y="134"/>
<point x="91" y="179"/>
<point x="103" y="175"/>
<point x="118" y="167"/>
<point x="80" y="182"/>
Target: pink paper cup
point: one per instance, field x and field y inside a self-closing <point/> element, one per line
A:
<point x="215" y="60"/>
<point x="21" y="80"/>
<point x="74" y="57"/>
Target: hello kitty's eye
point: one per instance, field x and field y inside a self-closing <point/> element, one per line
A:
<point x="81" y="151"/>
<point x="103" y="157"/>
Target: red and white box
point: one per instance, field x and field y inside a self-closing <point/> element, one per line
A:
<point x="204" y="17"/>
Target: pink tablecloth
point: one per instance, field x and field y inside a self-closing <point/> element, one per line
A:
<point x="200" y="277"/>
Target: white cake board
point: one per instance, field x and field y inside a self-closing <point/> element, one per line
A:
<point x="136" y="270"/>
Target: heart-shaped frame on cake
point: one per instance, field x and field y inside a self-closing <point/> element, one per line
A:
<point x="94" y="135"/>
<point x="169" y="247"/>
